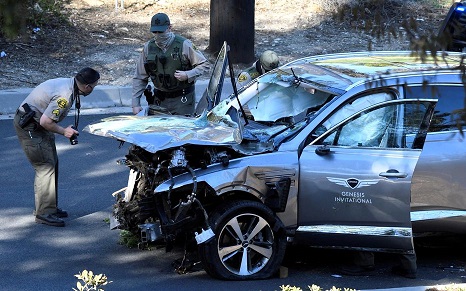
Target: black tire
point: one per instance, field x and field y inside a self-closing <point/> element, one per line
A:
<point x="231" y="257"/>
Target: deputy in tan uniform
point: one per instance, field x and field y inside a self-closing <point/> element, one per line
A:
<point x="267" y="62"/>
<point x="173" y="63"/>
<point x="36" y="122"/>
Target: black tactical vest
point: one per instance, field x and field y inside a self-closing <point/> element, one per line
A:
<point x="161" y="66"/>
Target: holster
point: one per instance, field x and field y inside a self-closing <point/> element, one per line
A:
<point x="150" y="97"/>
<point x="28" y="117"/>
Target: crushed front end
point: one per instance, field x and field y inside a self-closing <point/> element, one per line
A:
<point x="162" y="216"/>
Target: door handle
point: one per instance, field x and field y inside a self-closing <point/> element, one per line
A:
<point x="393" y="174"/>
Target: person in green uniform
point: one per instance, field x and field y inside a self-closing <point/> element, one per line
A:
<point x="36" y="123"/>
<point x="172" y="63"/>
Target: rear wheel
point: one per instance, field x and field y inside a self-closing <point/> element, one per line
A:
<point x="249" y="242"/>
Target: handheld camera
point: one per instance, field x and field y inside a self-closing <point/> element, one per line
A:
<point x="74" y="137"/>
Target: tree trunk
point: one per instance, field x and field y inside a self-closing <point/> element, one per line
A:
<point x="13" y="18"/>
<point x="233" y="21"/>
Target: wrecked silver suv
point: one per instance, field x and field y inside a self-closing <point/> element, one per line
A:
<point x="358" y="151"/>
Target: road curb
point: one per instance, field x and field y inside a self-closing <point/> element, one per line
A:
<point x="103" y="96"/>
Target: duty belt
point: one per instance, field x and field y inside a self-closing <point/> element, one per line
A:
<point x="173" y="94"/>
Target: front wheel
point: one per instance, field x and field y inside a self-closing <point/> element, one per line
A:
<point x="249" y="242"/>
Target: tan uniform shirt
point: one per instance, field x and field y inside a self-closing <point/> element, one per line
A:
<point x="53" y="98"/>
<point x="199" y="63"/>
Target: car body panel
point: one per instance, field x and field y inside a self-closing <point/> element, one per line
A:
<point x="438" y="179"/>
<point x="345" y="191"/>
<point x="251" y="175"/>
<point x="440" y="174"/>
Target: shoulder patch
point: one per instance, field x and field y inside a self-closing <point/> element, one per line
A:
<point x="56" y="112"/>
<point x="62" y="102"/>
<point x="242" y="77"/>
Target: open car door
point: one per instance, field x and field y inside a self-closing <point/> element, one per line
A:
<point x="213" y="92"/>
<point x="357" y="178"/>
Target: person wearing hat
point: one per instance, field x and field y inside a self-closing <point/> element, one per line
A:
<point x="267" y="61"/>
<point x="172" y="63"/>
<point x="36" y="123"/>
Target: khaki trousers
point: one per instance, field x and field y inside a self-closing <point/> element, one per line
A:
<point x="39" y="147"/>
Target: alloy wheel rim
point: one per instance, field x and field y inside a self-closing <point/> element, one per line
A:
<point x="245" y="244"/>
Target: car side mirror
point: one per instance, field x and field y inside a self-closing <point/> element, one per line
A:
<point x="323" y="150"/>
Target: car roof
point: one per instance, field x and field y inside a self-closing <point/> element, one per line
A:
<point x="341" y="71"/>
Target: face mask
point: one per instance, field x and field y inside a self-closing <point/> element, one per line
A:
<point x="163" y="39"/>
<point x="84" y="93"/>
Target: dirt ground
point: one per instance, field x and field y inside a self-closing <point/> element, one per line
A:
<point x="109" y="38"/>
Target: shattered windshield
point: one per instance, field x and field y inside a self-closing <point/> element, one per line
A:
<point x="274" y="97"/>
<point x="276" y="102"/>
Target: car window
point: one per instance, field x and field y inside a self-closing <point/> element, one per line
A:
<point x="350" y="108"/>
<point x="449" y="109"/>
<point x="355" y="106"/>
<point x="392" y="125"/>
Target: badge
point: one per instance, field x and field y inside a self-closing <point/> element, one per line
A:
<point x="62" y="102"/>
<point x="353" y="183"/>
<point x="242" y="77"/>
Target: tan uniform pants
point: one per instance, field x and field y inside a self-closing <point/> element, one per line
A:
<point x="39" y="147"/>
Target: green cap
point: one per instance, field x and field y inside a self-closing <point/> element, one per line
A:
<point x="159" y="22"/>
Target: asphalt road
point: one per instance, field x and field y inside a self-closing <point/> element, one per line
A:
<point x="39" y="257"/>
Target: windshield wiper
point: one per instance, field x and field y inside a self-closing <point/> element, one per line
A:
<point x="296" y="80"/>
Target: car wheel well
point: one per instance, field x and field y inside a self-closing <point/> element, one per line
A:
<point x="211" y="202"/>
